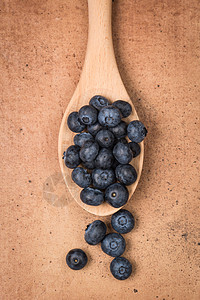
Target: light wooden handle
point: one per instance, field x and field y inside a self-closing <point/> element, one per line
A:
<point x="100" y="33"/>
<point x="100" y="53"/>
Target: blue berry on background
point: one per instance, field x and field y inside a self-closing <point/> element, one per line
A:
<point x="89" y="151"/>
<point x="119" y="131"/>
<point x="102" y="178"/>
<point x="126" y="174"/>
<point x="105" y="138"/>
<point x="104" y="159"/>
<point x="76" y="259"/>
<point x="122" y="221"/>
<point x="98" y="102"/>
<point x="81" y="177"/>
<point x="88" y="115"/>
<point x="81" y="138"/>
<point x="116" y="195"/>
<point x="109" y="116"/>
<point x="122" y="153"/>
<point x="74" y="122"/>
<point x="120" y="268"/>
<point x="124" y="107"/>
<point x="95" y="232"/>
<point x="113" y="244"/>
<point x="135" y="147"/>
<point x="136" y="131"/>
<point x="71" y="157"/>
<point x="91" y="196"/>
<point x="90" y="165"/>
<point x="94" y="128"/>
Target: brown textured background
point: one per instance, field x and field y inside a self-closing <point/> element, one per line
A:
<point x="43" y="45"/>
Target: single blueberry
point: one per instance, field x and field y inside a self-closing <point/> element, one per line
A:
<point x="88" y="115"/>
<point x="71" y="157"/>
<point x="98" y="102"/>
<point x="136" y="131"/>
<point x="126" y="174"/>
<point x="89" y="151"/>
<point x="122" y="153"/>
<point x="74" y="122"/>
<point x="76" y="259"/>
<point x="122" y="221"/>
<point x="104" y="159"/>
<point x="122" y="140"/>
<point x="116" y="195"/>
<point x="113" y="244"/>
<point x="81" y="138"/>
<point x="109" y="116"/>
<point x="95" y="232"/>
<point x="115" y="164"/>
<point x="135" y="147"/>
<point x="102" y="178"/>
<point x="92" y="196"/>
<point x="105" y="138"/>
<point x="94" y="128"/>
<point x="81" y="177"/>
<point x="119" y="131"/>
<point x="90" y="165"/>
<point x="124" y="107"/>
<point x="120" y="268"/>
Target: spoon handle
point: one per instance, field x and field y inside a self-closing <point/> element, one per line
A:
<point x="100" y="32"/>
<point x="100" y="64"/>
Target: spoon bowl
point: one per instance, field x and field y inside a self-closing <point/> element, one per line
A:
<point x="100" y="76"/>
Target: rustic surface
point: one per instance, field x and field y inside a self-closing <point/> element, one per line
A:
<point x="43" y="45"/>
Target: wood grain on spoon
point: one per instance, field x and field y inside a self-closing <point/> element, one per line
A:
<point x="100" y="76"/>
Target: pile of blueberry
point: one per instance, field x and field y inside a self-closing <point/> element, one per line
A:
<point x="102" y="150"/>
<point x="113" y="244"/>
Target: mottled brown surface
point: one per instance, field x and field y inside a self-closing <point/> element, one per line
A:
<point x="42" y="52"/>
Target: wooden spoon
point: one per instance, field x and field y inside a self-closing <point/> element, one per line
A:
<point x="100" y="76"/>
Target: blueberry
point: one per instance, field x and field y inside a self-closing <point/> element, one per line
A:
<point x="116" y="195"/>
<point x="90" y="165"/>
<point x="115" y="164"/>
<point x="76" y="259"/>
<point x="109" y="116"/>
<point x="124" y="107"/>
<point x="126" y="174"/>
<point x="95" y="232"/>
<point x="81" y="177"/>
<point x="74" y="122"/>
<point x="88" y="115"/>
<point x="122" y="221"/>
<point x="135" y="147"/>
<point x="104" y="159"/>
<point x="98" y="102"/>
<point x="89" y="151"/>
<point x="113" y="244"/>
<point x="105" y="138"/>
<point x="122" y="153"/>
<point x="119" y="131"/>
<point x="120" y="268"/>
<point x="92" y="196"/>
<point x="102" y="178"/>
<point x="122" y="140"/>
<point x="71" y="157"/>
<point x="81" y="138"/>
<point x="136" y="131"/>
<point x="94" y="128"/>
